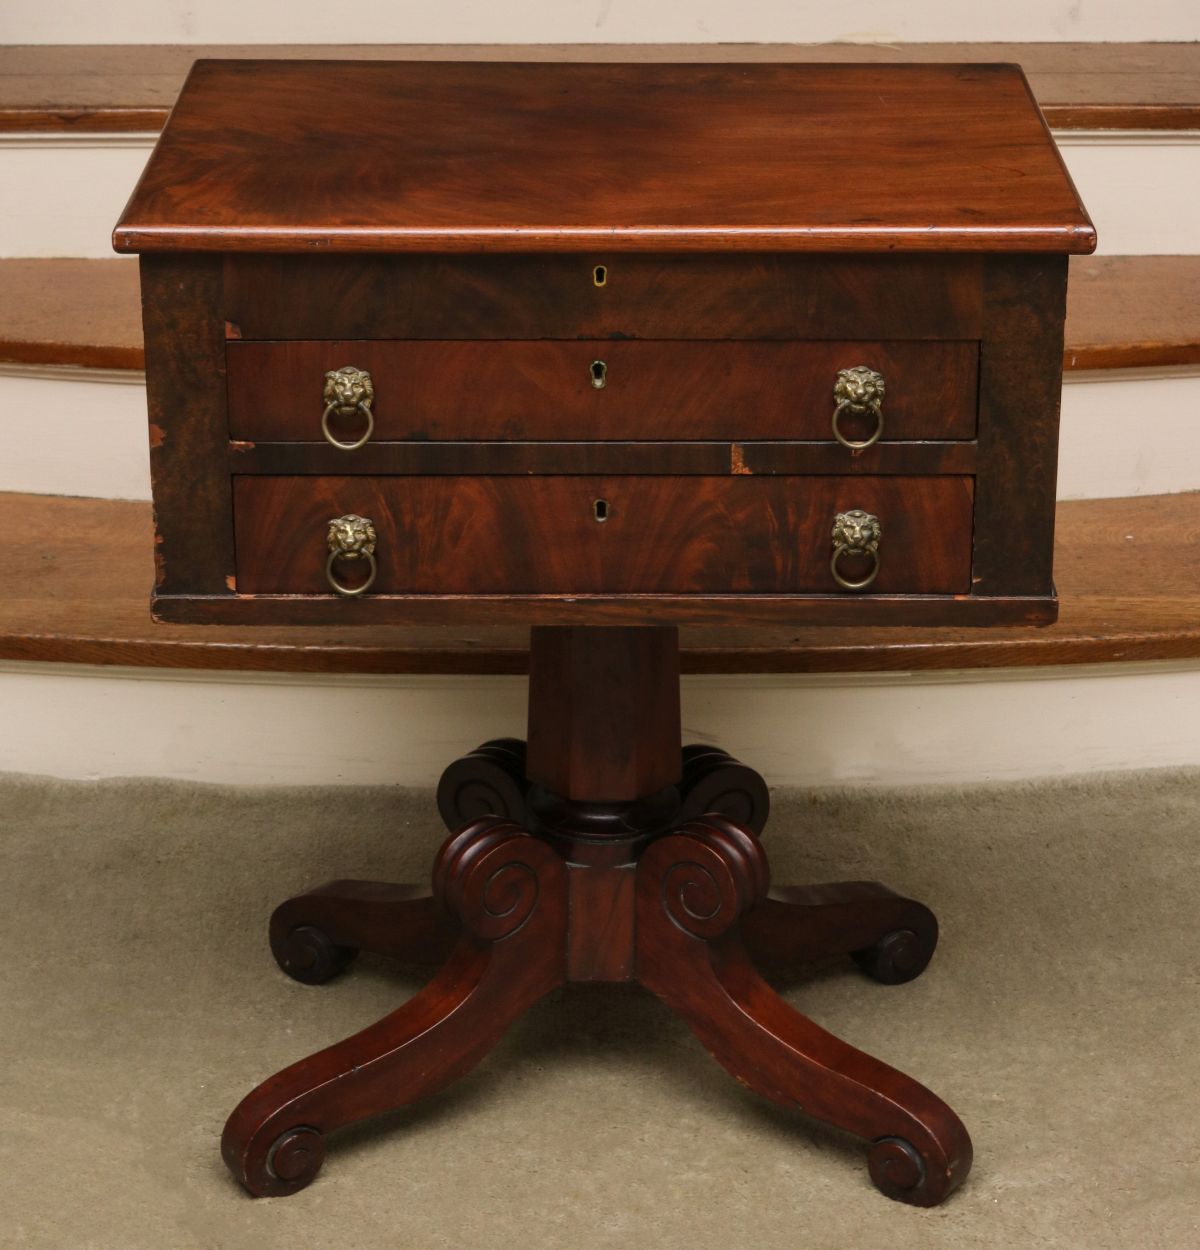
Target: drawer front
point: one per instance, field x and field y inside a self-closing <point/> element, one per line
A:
<point x="601" y="390"/>
<point x="741" y="296"/>
<point x="603" y="535"/>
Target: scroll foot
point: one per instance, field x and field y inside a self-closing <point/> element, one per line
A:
<point x="891" y="938"/>
<point x="508" y="890"/>
<point x="693" y="887"/>
<point x="315" y="936"/>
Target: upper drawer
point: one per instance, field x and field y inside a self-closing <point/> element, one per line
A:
<point x="602" y="390"/>
<point x="740" y="295"/>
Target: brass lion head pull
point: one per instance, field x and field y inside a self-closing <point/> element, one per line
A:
<point x="348" y="391"/>
<point x="858" y="390"/>
<point x="351" y="538"/>
<point x="855" y="533"/>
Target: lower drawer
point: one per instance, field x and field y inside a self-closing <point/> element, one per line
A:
<point x="604" y="535"/>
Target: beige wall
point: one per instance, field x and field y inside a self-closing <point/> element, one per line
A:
<point x="585" y="21"/>
<point x="852" y="729"/>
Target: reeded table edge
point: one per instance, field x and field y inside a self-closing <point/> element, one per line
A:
<point x="608" y="609"/>
<point x="1079" y="239"/>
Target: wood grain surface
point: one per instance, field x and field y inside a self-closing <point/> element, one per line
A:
<point x="1122" y="568"/>
<point x="615" y="738"/>
<point x="1020" y="386"/>
<point x="1123" y="312"/>
<point x="543" y="390"/>
<point x="71" y="313"/>
<point x="628" y="158"/>
<point x="765" y="295"/>
<point x="131" y="87"/>
<point x="1130" y="312"/>
<point x="188" y="424"/>
<point x="455" y="457"/>
<point x="745" y="535"/>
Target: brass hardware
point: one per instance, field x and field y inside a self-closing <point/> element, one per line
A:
<point x="599" y="372"/>
<point x="351" y="538"/>
<point x="348" y="390"/>
<point x="858" y="390"/>
<point x="855" y="533"/>
<point x="600" y="275"/>
<point x="600" y="509"/>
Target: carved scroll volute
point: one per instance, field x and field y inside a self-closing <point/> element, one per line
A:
<point x="706" y="875"/>
<point x="494" y="877"/>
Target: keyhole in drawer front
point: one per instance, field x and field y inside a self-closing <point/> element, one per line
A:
<point x="600" y="275"/>
<point x="600" y="509"/>
<point x="599" y="374"/>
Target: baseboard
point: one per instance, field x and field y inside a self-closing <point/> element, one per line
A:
<point x="870" y="730"/>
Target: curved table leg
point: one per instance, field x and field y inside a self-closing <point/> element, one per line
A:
<point x="509" y="890"/>
<point x="316" y="935"/>
<point x="891" y="938"/>
<point x="692" y="888"/>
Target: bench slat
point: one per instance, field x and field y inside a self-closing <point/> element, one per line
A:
<point x="77" y="575"/>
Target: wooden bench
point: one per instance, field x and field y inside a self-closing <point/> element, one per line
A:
<point x="1087" y="86"/>
<point x="1125" y="312"/>
<point x="78" y="591"/>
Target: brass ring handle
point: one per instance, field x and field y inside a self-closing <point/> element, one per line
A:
<point x="365" y="409"/>
<point x="852" y="443"/>
<point x="348" y="390"/>
<point x="349" y="592"/>
<point x="351" y="538"/>
<point x="862" y="583"/>
<point x="858" y="390"/>
<point x="855" y="533"/>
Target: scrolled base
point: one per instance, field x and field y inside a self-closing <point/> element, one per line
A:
<point x="509" y="892"/>
<point x="693" y="889"/>
<point x="898" y="957"/>
<point x="897" y="1169"/>
<point x="490" y="781"/>
<point x="713" y="781"/>
<point x="588" y="891"/>
<point x="308" y="955"/>
<point x="295" y="1158"/>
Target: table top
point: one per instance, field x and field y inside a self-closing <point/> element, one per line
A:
<point x="363" y="156"/>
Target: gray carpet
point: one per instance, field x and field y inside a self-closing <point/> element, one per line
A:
<point x="1060" y="1017"/>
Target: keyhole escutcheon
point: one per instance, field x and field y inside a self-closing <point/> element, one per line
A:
<point x="599" y="372"/>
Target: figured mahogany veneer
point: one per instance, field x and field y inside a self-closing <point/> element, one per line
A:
<point x="543" y="295"/>
<point x="1116" y="564"/>
<point x="1011" y="305"/>
<point x="1124" y="312"/>
<point x="650" y="390"/>
<point x="659" y="535"/>
<point x="717" y="241"/>
<point x="362" y="156"/>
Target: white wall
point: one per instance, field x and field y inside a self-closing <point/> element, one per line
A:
<point x="60" y="195"/>
<point x="590" y="21"/>
<point x="888" y="729"/>
<point x="92" y="433"/>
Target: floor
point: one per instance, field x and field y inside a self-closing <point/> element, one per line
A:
<point x="1060" y="1018"/>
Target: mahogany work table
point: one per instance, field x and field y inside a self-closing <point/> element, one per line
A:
<point x="603" y="348"/>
